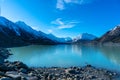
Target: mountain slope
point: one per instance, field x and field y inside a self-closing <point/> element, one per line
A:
<point x="84" y="37"/>
<point x="111" y="36"/>
<point x="18" y="34"/>
<point x="61" y="40"/>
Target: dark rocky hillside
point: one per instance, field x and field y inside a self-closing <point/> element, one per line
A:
<point x="111" y="36"/>
<point x="19" y="34"/>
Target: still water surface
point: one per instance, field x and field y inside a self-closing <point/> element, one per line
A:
<point x="67" y="55"/>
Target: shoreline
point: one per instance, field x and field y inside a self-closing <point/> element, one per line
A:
<point x="19" y="71"/>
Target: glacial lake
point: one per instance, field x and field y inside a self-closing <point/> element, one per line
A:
<point x="67" y="56"/>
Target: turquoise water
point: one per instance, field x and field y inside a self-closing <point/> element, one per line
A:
<point x="67" y="55"/>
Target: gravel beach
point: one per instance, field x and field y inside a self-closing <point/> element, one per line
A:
<point x="19" y="71"/>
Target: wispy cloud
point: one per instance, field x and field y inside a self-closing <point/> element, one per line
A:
<point x="73" y="1"/>
<point x="61" y="4"/>
<point x="64" y="24"/>
<point x="50" y="30"/>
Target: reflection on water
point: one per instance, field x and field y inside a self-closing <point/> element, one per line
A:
<point x="112" y="53"/>
<point x="68" y="55"/>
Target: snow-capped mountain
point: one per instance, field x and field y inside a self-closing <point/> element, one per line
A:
<point x="61" y="40"/>
<point x="18" y="34"/>
<point x="111" y="36"/>
<point x="26" y="28"/>
<point x="39" y="34"/>
<point x="84" y="36"/>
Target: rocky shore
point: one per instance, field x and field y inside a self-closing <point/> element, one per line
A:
<point x="19" y="71"/>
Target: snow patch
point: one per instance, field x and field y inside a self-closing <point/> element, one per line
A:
<point x="6" y="23"/>
<point x="27" y="28"/>
<point x="85" y="36"/>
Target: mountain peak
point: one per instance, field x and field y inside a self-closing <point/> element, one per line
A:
<point x="4" y="21"/>
<point x="85" y="36"/>
<point x="115" y="31"/>
<point x="50" y="34"/>
<point x="21" y="23"/>
<point x="19" y="33"/>
<point x="117" y="27"/>
<point x="1" y="17"/>
<point x="112" y="35"/>
<point x="24" y="26"/>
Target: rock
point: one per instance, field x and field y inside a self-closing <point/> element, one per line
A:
<point x="5" y="78"/>
<point x="4" y="53"/>
<point x="1" y="60"/>
<point x="23" y="74"/>
<point x="74" y="67"/>
<point x="89" y="65"/>
<point x="32" y="78"/>
<point x="2" y="73"/>
<point x="50" y="77"/>
<point x="110" y="74"/>
<point x="23" y="78"/>
<point x="31" y="74"/>
<point x="3" y="68"/>
<point x="114" y="74"/>
<point x="72" y="71"/>
<point x="19" y="65"/>
<point x="10" y="66"/>
<point x="46" y="75"/>
<point x="23" y="70"/>
<point x="13" y="74"/>
<point x="91" y="77"/>
<point x="19" y="71"/>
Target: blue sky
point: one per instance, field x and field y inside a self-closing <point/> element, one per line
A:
<point x="64" y="17"/>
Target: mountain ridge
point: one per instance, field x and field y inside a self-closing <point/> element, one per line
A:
<point x="16" y="34"/>
<point x="19" y="34"/>
<point x="111" y="36"/>
<point x="84" y="37"/>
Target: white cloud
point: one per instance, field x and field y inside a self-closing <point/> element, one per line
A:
<point x="61" y="4"/>
<point x="57" y="22"/>
<point x="73" y="1"/>
<point x="64" y="24"/>
<point x="50" y="30"/>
